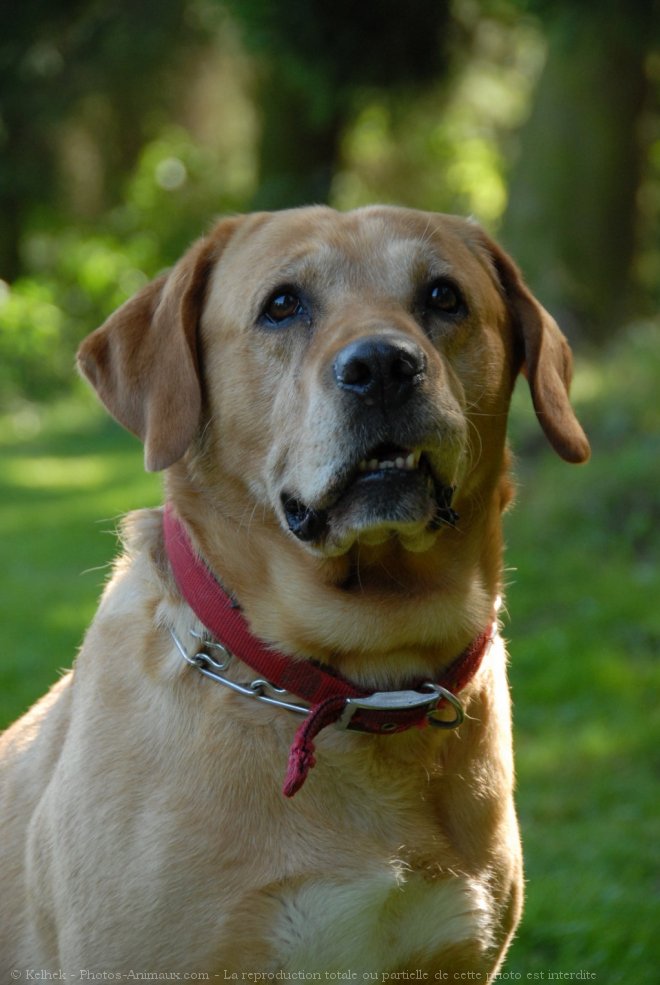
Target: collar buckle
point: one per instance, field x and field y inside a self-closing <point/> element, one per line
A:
<point x="404" y="707"/>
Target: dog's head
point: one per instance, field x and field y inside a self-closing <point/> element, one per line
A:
<point x="349" y="374"/>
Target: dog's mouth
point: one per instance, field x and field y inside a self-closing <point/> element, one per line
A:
<point x="393" y="490"/>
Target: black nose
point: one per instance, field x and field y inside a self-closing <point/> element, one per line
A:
<point x="380" y="369"/>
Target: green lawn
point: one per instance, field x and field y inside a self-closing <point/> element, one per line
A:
<point x="583" y="619"/>
<point x="67" y="473"/>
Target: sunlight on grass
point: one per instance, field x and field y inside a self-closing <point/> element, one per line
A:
<point x="27" y="420"/>
<point x="54" y="473"/>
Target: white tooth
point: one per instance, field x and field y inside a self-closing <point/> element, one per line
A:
<point x="399" y="462"/>
<point x="410" y="461"/>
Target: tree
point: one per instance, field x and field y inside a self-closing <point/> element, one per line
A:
<point x="573" y="211"/>
<point x="315" y="55"/>
<point x="112" y="63"/>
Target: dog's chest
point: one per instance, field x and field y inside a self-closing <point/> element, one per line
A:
<point x="382" y="919"/>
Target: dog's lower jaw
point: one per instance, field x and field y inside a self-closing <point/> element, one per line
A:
<point x="414" y="517"/>
<point x="413" y="538"/>
<point x="326" y="540"/>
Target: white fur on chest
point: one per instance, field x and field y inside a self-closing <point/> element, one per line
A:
<point x="381" y="920"/>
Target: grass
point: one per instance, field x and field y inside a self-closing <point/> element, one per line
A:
<point x="67" y="474"/>
<point x="585" y="630"/>
<point x="583" y="619"/>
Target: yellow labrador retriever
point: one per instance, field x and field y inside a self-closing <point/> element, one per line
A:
<point x="284" y="751"/>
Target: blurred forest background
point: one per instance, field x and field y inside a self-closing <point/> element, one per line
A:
<point x="125" y="127"/>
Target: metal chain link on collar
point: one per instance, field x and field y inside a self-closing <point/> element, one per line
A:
<point x="210" y="667"/>
<point x="432" y="695"/>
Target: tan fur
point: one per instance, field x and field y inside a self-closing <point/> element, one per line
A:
<point x="143" y="825"/>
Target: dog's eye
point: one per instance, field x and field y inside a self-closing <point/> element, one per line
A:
<point x="444" y="297"/>
<point x="282" y="305"/>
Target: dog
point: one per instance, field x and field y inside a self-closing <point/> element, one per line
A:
<point x="284" y="750"/>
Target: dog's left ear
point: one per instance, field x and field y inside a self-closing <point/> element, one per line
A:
<point x="143" y="361"/>
<point x="547" y="360"/>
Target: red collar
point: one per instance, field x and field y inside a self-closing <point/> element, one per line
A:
<point x="332" y="697"/>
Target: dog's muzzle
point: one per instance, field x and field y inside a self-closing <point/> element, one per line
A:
<point x="390" y="485"/>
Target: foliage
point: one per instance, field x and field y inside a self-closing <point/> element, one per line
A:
<point x="81" y="78"/>
<point x="395" y="149"/>
<point x="582" y="548"/>
<point x="122" y="140"/>
<point x="82" y="272"/>
<point x="447" y="151"/>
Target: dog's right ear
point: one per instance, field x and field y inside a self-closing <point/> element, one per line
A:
<point x="143" y="361"/>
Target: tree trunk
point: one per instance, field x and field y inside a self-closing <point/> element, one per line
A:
<point x="297" y="153"/>
<point x="572" y="215"/>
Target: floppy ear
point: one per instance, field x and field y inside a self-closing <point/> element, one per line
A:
<point x="547" y="361"/>
<point x="143" y="361"/>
